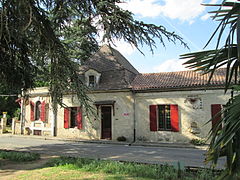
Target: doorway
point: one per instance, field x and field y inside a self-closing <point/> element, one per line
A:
<point x="106" y="122"/>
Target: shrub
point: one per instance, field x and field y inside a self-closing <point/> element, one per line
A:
<point x="198" y="142"/>
<point x="121" y="138"/>
<point x="17" y="113"/>
<point x="19" y="156"/>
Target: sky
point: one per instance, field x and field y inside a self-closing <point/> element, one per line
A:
<point x="187" y="18"/>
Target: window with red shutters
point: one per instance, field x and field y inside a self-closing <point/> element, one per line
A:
<point x="73" y="117"/>
<point x="164" y="118"/>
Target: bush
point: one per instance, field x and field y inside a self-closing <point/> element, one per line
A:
<point x="17" y="113"/>
<point x="198" y="142"/>
<point x="121" y="138"/>
<point x="19" y="156"/>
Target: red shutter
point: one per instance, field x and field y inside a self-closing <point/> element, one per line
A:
<point x="66" y="117"/>
<point x="215" y="108"/>
<point x="153" y="117"/>
<point x="174" y="118"/>
<point x="43" y="111"/>
<point x="31" y="111"/>
<point x="79" y="118"/>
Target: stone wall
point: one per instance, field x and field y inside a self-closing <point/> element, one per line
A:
<point x="38" y="127"/>
<point x="192" y="116"/>
<point x="189" y="114"/>
<point x="16" y="128"/>
<point x="122" y="117"/>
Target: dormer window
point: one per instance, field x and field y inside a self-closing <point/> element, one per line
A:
<point x="92" y="78"/>
<point x="91" y="81"/>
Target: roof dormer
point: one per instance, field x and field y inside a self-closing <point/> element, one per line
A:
<point x="92" y="78"/>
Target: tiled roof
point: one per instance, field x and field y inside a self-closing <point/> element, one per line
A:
<point x="116" y="72"/>
<point x="181" y="79"/>
<point x="108" y="59"/>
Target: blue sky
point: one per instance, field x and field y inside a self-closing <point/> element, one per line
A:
<point x="188" y="18"/>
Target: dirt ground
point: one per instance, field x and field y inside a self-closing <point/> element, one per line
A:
<point x="9" y="169"/>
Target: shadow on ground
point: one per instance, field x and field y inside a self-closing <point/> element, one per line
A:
<point x="152" y="155"/>
<point x="9" y="169"/>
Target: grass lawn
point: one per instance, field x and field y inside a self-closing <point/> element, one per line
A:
<point x="82" y="168"/>
<point x="65" y="173"/>
<point x="18" y="156"/>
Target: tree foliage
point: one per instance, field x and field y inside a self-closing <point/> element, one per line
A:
<point x="7" y="102"/>
<point x="50" y="37"/>
<point x="225" y="140"/>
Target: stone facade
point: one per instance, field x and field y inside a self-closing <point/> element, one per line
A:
<point x="122" y="117"/>
<point x="121" y="98"/>
<point x="188" y="114"/>
<point x="131" y="111"/>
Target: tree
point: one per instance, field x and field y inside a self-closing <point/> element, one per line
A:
<point x="225" y="141"/>
<point x="8" y="101"/>
<point x="52" y="36"/>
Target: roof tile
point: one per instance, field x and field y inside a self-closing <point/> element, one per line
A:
<point x="168" y="80"/>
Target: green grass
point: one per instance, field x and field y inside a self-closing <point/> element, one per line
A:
<point x="83" y="168"/>
<point x="134" y="170"/>
<point x="18" y="156"/>
<point x="56" y="173"/>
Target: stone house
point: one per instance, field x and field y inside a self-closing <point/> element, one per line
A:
<point x="155" y="107"/>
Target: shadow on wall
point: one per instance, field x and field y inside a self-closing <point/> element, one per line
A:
<point x="192" y="120"/>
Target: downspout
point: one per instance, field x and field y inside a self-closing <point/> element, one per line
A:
<point x="54" y="120"/>
<point x="55" y="111"/>
<point x="22" y="112"/>
<point x="134" y="117"/>
<point x="54" y="130"/>
<point x="54" y="103"/>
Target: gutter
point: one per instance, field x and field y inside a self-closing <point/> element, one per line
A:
<point x="147" y="90"/>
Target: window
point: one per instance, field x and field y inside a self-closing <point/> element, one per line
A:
<point x="73" y="117"/>
<point x="164" y="118"/>
<point x="91" y="81"/>
<point x="92" y="78"/>
<point x="38" y="111"/>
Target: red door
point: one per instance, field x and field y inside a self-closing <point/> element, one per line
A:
<point x="106" y="118"/>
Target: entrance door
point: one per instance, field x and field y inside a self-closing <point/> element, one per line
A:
<point x="106" y="117"/>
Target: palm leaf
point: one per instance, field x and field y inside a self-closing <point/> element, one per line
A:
<point x="225" y="136"/>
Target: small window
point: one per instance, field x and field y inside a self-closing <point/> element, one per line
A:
<point x="91" y="81"/>
<point x="73" y="117"/>
<point x="37" y="110"/>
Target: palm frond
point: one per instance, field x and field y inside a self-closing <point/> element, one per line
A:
<point x="225" y="135"/>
